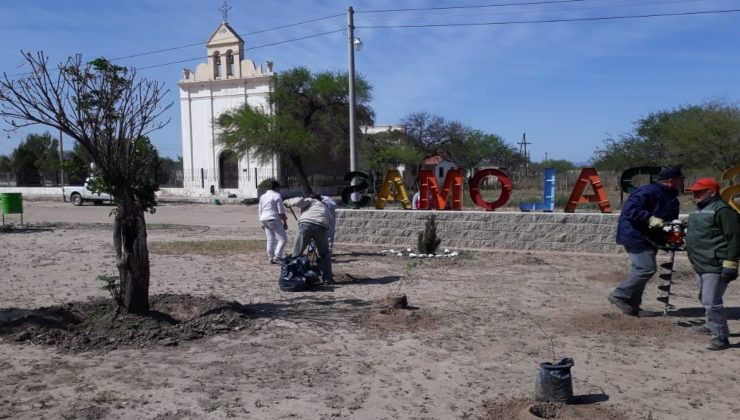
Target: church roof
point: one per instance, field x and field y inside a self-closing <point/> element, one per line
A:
<point x="224" y="34"/>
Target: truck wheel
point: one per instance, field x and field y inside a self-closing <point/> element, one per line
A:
<point x="76" y="199"/>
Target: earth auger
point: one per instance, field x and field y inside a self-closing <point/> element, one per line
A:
<point x="675" y="232"/>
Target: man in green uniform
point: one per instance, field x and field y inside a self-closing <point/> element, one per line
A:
<point x="713" y="246"/>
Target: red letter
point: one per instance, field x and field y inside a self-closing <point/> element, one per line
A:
<point x="506" y="188"/>
<point x="428" y="186"/>
<point x="588" y="175"/>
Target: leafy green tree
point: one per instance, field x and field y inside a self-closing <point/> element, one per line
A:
<point x="77" y="165"/>
<point x="561" y="166"/>
<point x="696" y="137"/>
<point x="109" y="112"/>
<point x="35" y="159"/>
<point x="467" y="147"/>
<point x="475" y="147"/>
<point x="386" y="150"/>
<point x="432" y="133"/>
<point x="307" y="120"/>
<point x="166" y="169"/>
<point x="5" y="164"/>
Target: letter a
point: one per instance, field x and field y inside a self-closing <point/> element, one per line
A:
<point x="393" y="179"/>
<point x="588" y="176"/>
<point x="730" y="193"/>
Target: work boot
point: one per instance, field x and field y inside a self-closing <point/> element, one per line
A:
<point x="719" y="344"/>
<point x="623" y="305"/>
<point x="645" y="313"/>
<point x="701" y="329"/>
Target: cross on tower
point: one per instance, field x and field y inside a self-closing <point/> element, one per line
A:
<point x="225" y="10"/>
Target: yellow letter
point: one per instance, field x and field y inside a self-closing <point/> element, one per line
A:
<point x="393" y="179"/>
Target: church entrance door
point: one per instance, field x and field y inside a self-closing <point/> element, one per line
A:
<point x="228" y="170"/>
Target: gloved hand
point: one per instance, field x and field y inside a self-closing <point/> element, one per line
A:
<point x="729" y="271"/>
<point x="655" y="222"/>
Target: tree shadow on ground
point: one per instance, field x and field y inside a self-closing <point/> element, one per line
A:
<point x="589" y="399"/>
<point x="346" y="279"/>
<point x="301" y="307"/>
<point x="27" y="229"/>
<point x="699" y="312"/>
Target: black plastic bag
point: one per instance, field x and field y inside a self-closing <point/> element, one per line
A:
<point x="297" y="275"/>
<point x="553" y="382"/>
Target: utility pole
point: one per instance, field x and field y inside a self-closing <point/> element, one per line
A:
<point x="61" y="158"/>
<point x="524" y="153"/>
<point x="351" y="43"/>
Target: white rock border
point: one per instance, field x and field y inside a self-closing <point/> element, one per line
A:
<point x="408" y="253"/>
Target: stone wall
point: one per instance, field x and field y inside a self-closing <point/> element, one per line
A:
<point x="561" y="232"/>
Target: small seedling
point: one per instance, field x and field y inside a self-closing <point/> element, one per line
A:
<point x="113" y="285"/>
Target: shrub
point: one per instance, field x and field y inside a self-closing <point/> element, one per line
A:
<point x="428" y="241"/>
<point x="265" y="184"/>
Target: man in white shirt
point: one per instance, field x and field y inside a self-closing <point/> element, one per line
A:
<point x="274" y="222"/>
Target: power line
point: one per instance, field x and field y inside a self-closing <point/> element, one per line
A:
<point x="518" y="22"/>
<point x="251" y="48"/>
<point x="512" y="22"/>
<point x="482" y="6"/>
<point x="478" y="14"/>
<point x="242" y="35"/>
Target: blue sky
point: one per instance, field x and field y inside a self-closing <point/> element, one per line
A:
<point x="568" y="85"/>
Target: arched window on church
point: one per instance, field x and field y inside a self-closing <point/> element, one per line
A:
<point x="216" y="65"/>
<point x="229" y="63"/>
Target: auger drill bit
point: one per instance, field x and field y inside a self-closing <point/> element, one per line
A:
<point x="665" y="288"/>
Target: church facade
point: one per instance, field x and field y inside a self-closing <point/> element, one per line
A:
<point x="227" y="80"/>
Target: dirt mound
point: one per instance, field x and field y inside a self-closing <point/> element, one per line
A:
<point x="95" y="325"/>
<point x="525" y="409"/>
<point x="398" y="320"/>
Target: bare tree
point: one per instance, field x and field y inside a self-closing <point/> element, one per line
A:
<point x="109" y="112"/>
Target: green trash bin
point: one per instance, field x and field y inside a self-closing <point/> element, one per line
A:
<point x="11" y="203"/>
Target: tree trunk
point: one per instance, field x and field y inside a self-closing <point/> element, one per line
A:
<point x="298" y="163"/>
<point x="132" y="254"/>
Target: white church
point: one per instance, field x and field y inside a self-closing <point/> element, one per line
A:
<point x="227" y="80"/>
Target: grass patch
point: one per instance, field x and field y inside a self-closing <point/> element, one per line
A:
<point x="217" y="247"/>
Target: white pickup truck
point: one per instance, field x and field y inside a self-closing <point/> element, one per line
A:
<point x="78" y="195"/>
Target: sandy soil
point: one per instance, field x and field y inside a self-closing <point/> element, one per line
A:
<point x="481" y="325"/>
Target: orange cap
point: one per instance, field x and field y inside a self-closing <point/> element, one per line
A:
<point x="703" y="184"/>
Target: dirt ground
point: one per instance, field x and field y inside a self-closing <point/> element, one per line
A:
<point x="229" y="344"/>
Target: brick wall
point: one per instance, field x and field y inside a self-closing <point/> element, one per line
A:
<point x="561" y="232"/>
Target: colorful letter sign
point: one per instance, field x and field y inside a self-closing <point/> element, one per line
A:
<point x="728" y="194"/>
<point x="502" y="178"/>
<point x="358" y="189"/>
<point x="588" y="176"/>
<point x="393" y="180"/>
<point x="548" y="191"/>
<point x="428" y="188"/>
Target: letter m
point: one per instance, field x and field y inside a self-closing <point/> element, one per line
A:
<point x="429" y="190"/>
